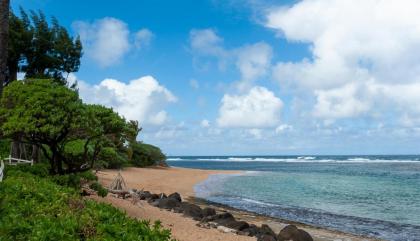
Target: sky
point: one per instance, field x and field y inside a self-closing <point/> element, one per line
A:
<point x="253" y="77"/>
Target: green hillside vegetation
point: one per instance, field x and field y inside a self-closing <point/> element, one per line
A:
<point x="36" y="208"/>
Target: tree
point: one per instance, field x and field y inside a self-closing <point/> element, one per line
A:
<point x="20" y="38"/>
<point x="4" y="31"/>
<point x="146" y="155"/>
<point x="40" y="49"/>
<point x="72" y="136"/>
<point x="103" y="135"/>
<point x="44" y="113"/>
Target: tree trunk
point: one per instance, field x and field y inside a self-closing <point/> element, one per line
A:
<point x="4" y="37"/>
<point x="35" y="153"/>
<point x="16" y="152"/>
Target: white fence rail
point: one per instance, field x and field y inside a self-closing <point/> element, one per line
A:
<point x="15" y="161"/>
<point x="1" y="170"/>
<point x="12" y="161"/>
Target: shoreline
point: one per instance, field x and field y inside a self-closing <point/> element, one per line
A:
<point x="183" y="181"/>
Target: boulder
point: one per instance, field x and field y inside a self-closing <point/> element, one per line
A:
<point x="265" y="229"/>
<point x="252" y="230"/>
<point x="266" y="237"/>
<point x="152" y="197"/>
<point x="155" y="203"/>
<point x="162" y="195"/>
<point x="209" y="212"/>
<point x="176" y="196"/>
<point x="237" y="225"/>
<point x="143" y="195"/>
<point x="304" y="236"/>
<point x="192" y="210"/>
<point x="177" y="209"/>
<point x="291" y="232"/>
<point x="224" y="217"/>
<point x="168" y="203"/>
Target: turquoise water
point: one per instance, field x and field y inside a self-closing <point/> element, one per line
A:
<point x="377" y="196"/>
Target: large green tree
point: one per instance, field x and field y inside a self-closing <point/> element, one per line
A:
<point x="41" y="49"/>
<point x="4" y="39"/>
<point x="73" y="136"/>
<point x="41" y="112"/>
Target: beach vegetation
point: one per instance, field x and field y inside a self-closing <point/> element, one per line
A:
<point x="36" y="208"/>
<point x="146" y="155"/>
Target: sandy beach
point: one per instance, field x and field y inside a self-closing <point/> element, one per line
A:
<point x="182" y="180"/>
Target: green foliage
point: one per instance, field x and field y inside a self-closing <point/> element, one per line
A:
<point x="99" y="188"/>
<point x="34" y="208"/>
<point x="73" y="136"/>
<point x="72" y="180"/>
<point x="40" y="49"/>
<point x="4" y="148"/>
<point x="111" y="158"/>
<point x="41" y="112"/>
<point x="39" y="169"/>
<point x="146" y="155"/>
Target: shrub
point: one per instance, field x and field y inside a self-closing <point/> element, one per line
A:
<point x="146" y="155"/>
<point x="39" y="169"/>
<point x="99" y="189"/>
<point x="4" y="148"/>
<point x="42" y="170"/>
<point x="34" y="208"/>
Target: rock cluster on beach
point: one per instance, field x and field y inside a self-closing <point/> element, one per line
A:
<point x="222" y="221"/>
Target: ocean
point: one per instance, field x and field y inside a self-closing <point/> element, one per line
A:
<point x="375" y="196"/>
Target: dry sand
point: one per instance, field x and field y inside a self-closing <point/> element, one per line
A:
<point x="182" y="180"/>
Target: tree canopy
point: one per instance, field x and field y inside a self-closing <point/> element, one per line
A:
<point x="41" y="49"/>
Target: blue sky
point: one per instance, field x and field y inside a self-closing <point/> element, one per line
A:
<point x="244" y="77"/>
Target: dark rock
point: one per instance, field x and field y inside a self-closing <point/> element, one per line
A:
<point x="168" y="203"/>
<point x="155" y="203"/>
<point x="144" y="195"/>
<point x="237" y="225"/>
<point x="177" y="209"/>
<point x="291" y="232"/>
<point x="219" y="217"/>
<point x="162" y="195"/>
<point x="209" y="212"/>
<point x="152" y="198"/>
<point x="252" y="230"/>
<point x="244" y="233"/>
<point x="265" y="229"/>
<point x="304" y="236"/>
<point x="287" y="233"/>
<point x="192" y="210"/>
<point x="266" y="237"/>
<point x="176" y="196"/>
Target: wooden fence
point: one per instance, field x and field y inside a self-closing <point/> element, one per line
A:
<point x="12" y="161"/>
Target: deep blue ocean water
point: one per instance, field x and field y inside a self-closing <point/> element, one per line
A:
<point x="377" y="196"/>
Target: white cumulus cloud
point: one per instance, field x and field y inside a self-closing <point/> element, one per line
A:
<point x="105" y="40"/>
<point x="259" y="108"/>
<point x="363" y="53"/>
<point x="143" y="38"/>
<point x="142" y="99"/>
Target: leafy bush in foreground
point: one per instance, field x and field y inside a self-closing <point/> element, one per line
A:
<point x="35" y="208"/>
<point x="42" y="170"/>
<point x="99" y="188"/>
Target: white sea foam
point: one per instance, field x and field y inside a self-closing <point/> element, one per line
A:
<point x="301" y="159"/>
<point x="174" y="159"/>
